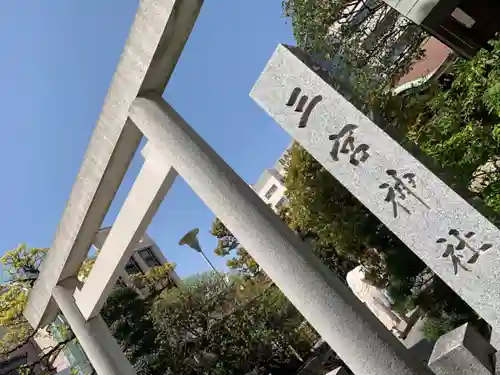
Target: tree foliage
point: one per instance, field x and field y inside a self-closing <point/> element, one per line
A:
<point x="127" y="316"/>
<point x="22" y="266"/>
<point x="365" y="43"/>
<point x="22" y="263"/>
<point x="458" y="125"/>
<point x="218" y="327"/>
<point x="227" y="245"/>
<point x="154" y="282"/>
<point x="207" y="326"/>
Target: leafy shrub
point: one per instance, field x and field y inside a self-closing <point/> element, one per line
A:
<point x="435" y="327"/>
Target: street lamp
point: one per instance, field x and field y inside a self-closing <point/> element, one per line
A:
<point x="191" y="239"/>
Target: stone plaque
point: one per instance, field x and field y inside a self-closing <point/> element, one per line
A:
<point x="449" y="235"/>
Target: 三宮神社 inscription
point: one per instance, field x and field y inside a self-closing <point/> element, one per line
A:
<point x="300" y="105"/>
<point x="398" y="190"/>
<point x="448" y="234"/>
<point x="454" y="252"/>
<point x="348" y="146"/>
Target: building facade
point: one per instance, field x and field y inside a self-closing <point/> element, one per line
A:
<point x="437" y="58"/>
<point x="271" y="184"/>
<point x="145" y="256"/>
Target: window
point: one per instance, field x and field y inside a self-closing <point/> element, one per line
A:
<point x="149" y="258"/>
<point x="280" y="203"/>
<point x="132" y="267"/>
<point x="271" y="191"/>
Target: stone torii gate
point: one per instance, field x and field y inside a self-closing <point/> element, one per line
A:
<point x="134" y="108"/>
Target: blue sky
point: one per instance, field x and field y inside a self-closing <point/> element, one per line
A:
<point x="58" y="59"/>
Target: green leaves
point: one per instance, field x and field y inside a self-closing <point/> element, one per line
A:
<point x="458" y="126"/>
<point x="128" y="318"/>
<point x="226" y="241"/>
<point x="491" y="98"/>
<point x="364" y="45"/>
<point x="227" y="244"/>
<point x="23" y="263"/>
<point x="22" y="266"/>
<point x="207" y="326"/>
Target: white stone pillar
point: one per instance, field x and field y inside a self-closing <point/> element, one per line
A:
<point x="95" y="338"/>
<point x="366" y="346"/>
<point x="147" y="193"/>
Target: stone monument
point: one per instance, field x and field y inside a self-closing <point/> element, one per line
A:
<point x="459" y="244"/>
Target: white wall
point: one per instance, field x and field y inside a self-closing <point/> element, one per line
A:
<point x="270" y="178"/>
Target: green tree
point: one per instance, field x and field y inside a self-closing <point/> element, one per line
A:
<point x="365" y="43"/>
<point x="154" y="282"/>
<point x="22" y="266"/>
<point x="226" y="244"/>
<point x="209" y="326"/>
<point x="458" y="125"/>
<point x="243" y="262"/>
<point x="127" y="316"/>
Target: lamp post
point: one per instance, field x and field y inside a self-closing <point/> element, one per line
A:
<point x="191" y="239"/>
